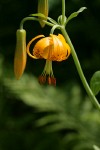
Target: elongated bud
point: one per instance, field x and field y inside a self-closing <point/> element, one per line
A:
<point x="43" y="8"/>
<point x="20" y="53"/>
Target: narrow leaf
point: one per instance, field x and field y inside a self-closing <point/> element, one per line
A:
<point x="95" y="82"/>
<point x="43" y="17"/>
<point x="73" y="15"/>
<point x="39" y="15"/>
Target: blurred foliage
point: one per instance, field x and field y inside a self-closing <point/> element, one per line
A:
<point x="44" y="117"/>
<point x="54" y="118"/>
<point x="95" y="147"/>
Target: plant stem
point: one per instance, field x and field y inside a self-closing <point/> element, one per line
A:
<point x="63" y="12"/>
<point x="34" y="19"/>
<point x="79" y="69"/>
<point x="26" y="19"/>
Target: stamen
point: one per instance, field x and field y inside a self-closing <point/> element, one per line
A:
<point x="51" y="81"/>
<point x="42" y="79"/>
<point x="47" y="74"/>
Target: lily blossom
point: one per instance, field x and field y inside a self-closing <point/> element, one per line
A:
<point x="52" y="48"/>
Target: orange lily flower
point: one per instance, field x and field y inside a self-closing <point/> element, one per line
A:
<point x="52" y="48"/>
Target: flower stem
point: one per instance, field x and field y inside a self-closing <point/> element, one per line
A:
<point x="34" y="19"/>
<point x="79" y="69"/>
<point x="63" y="12"/>
<point x="26" y="19"/>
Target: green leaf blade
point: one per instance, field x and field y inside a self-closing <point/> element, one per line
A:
<point x="75" y="14"/>
<point x="42" y="16"/>
<point x="95" y="82"/>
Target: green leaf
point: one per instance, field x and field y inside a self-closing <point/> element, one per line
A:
<point x="95" y="82"/>
<point x="73" y="15"/>
<point x="38" y="15"/>
<point x="43" y="17"/>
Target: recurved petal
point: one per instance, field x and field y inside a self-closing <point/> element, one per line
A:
<point x="41" y="48"/>
<point x="59" y="51"/>
<point x="51" y="50"/>
<point x="65" y="45"/>
<point x="63" y="50"/>
<point x="61" y="38"/>
<point x="29" y="44"/>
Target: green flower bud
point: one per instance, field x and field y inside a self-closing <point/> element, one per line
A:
<point x="20" y="53"/>
<point x="43" y="8"/>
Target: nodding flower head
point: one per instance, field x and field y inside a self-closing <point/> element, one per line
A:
<point x="52" y="48"/>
